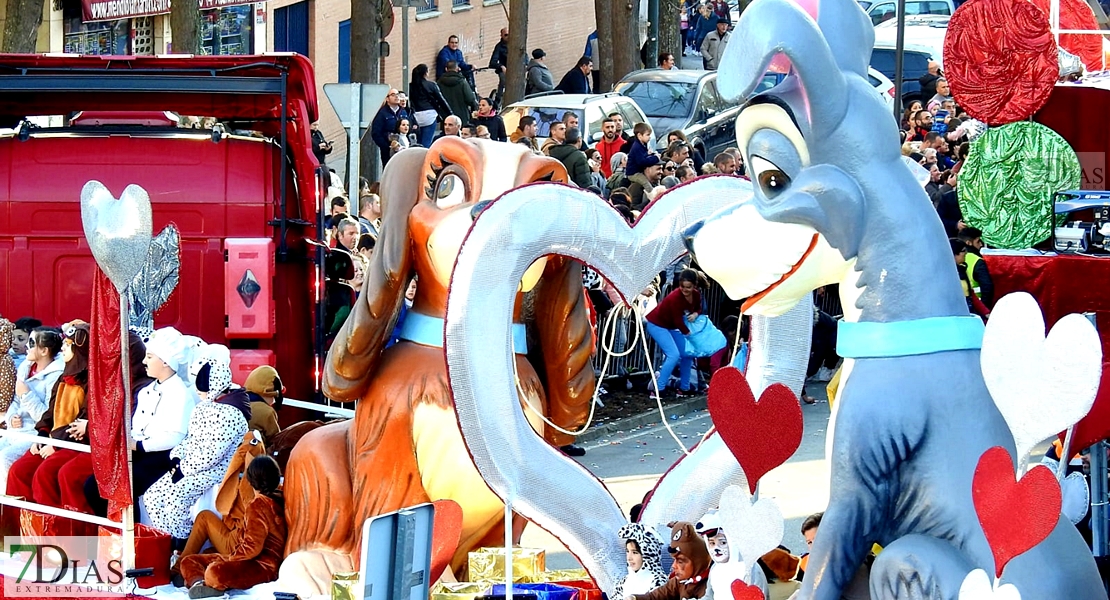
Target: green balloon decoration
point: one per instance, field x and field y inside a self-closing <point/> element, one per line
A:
<point x="1008" y="184"/>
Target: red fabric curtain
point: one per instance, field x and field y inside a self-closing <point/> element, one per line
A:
<point x="105" y="398"/>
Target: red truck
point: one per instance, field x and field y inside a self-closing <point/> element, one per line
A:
<point x="245" y="194"/>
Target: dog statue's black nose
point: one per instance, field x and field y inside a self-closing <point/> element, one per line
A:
<point x="479" y="208"/>
<point x="689" y="234"/>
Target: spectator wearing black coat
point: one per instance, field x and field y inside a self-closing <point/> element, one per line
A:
<point x="573" y="159"/>
<point x="321" y="148"/>
<point x="499" y="61"/>
<point x="577" y="80"/>
<point x="948" y="208"/>
<point x="489" y="117"/>
<point x="428" y="104"/>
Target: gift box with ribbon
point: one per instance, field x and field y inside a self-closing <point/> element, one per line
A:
<point x="458" y="591"/>
<point x="488" y="565"/>
<point x="344" y="586"/>
<point x="587" y="589"/>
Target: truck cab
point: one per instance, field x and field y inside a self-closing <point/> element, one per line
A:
<point x="244" y="192"/>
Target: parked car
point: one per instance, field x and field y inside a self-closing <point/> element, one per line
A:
<point x="591" y="110"/>
<point x="882" y="11"/>
<point x="915" y="63"/>
<point x="921" y="30"/>
<point x="687" y="100"/>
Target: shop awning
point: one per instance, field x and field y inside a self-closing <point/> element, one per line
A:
<point x="110" y="10"/>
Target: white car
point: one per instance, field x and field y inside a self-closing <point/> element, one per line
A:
<point x="884" y="86"/>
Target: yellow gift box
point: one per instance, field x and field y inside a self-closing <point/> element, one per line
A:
<point x="564" y="575"/>
<point x="488" y="565"/>
<point x="344" y="586"/>
<point x="458" y="591"/>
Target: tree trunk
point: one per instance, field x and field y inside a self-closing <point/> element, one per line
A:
<point x="626" y="37"/>
<point x="367" y="19"/>
<point x="185" y="26"/>
<point x="21" y="26"/>
<point x="518" y="46"/>
<point x="670" y="29"/>
<point x="604" y="59"/>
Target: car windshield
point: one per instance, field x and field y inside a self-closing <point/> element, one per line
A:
<point x="671" y="99"/>
<point x="545" y="116"/>
<point x="914" y="64"/>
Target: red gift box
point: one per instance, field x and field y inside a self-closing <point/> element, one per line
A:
<point x="152" y="550"/>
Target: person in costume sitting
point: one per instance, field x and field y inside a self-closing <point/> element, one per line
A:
<point x="161" y="417"/>
<point x="247" y="556"/>
<point x="35" y="475"/>
<point x="728" y="566"/>
<point x="690" y="572"/>
<point x="216" y="427"/>
<point x="645" y="573"/>
<point x="35" y="381"/>
<point x="265" y="390"/>
<point x="73" y="475"/>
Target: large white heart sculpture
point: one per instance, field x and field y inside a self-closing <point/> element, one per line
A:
<point x="977" y="586"/>
<point x="1041" y="385"/>
<point x="753" y="529"/>
<point x="523" y="225"/>
<point x="118" y="231"/>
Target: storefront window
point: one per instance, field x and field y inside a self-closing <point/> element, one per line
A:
<point x="106" y="37"/>
<point x="228" y="30"/>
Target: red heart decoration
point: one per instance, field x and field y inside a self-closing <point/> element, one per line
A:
<point x="1015" y="515"/>
<point x="743" y="591"/>
<point x="761" y="435"/>
<point x="446" y="531"/>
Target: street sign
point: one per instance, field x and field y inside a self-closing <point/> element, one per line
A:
<point x="397" y="554"/>
<point x="356" y="104"/>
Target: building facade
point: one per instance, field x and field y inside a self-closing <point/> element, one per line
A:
<point x="321" y="30"/>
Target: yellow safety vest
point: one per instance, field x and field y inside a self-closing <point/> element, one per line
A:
<point x="971" y="261"/>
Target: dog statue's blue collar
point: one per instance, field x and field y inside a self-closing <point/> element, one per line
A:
<point x="428" y="331"/>
<point x="908" y="338"/>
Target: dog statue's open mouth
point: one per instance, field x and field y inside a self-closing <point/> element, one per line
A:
<point x="755" y="298"/>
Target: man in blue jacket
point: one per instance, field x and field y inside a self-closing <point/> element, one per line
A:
<point x="448" y="53"/>
<point x="577" y="80"/>
<point x="385" y="123"/>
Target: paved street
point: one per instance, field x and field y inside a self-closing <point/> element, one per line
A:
<point x="630" y="463"/>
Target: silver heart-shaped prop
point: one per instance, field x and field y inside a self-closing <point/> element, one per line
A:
<point x="523" y="225"/>
<point x="752" y="528"/>
<point x="118" y="231"/>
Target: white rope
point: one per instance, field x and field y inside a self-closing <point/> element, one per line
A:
<point x="609" y="331"/>
<point x="45" y="441"/>
<point x="59" y="512"/>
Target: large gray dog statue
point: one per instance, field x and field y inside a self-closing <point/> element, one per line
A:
<point x="834" y="203"/>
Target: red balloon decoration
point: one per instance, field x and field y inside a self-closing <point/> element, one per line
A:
<point x="1015" y="515"/>
<point x="1000" y="59"/>
<point x="761" y="435"/>
<point x="1077" y="15"/>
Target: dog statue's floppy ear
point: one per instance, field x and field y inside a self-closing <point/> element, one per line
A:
<point x="849" y="34"/>
<point x="358" y="346"/>
<point x="753" y="45"/>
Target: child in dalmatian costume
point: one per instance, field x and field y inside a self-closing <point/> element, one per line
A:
<point x="645" y="571"/>
<point x="216" y="428"/>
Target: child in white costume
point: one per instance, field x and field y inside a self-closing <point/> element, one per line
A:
<point x="33" y="391"/>
<point x="727" y="566"/>
<point x="642" y="548"/>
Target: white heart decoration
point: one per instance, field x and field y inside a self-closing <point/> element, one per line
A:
<point x="118" y="231"/>
<point x="977" y="586"/>
<point x="543" y="485"/>
<point x="1041" y="385"/>
<point x="753" y="529"/>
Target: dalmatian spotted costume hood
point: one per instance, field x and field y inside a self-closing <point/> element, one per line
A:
<point x="216" y="428"/>
<point x="651" y="575"/>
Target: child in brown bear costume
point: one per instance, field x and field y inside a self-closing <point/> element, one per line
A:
<point x="255" y="551"/>
<point x="690" y="572"/>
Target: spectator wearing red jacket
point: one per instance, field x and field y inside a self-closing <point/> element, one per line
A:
<point x="667" y="326"/>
